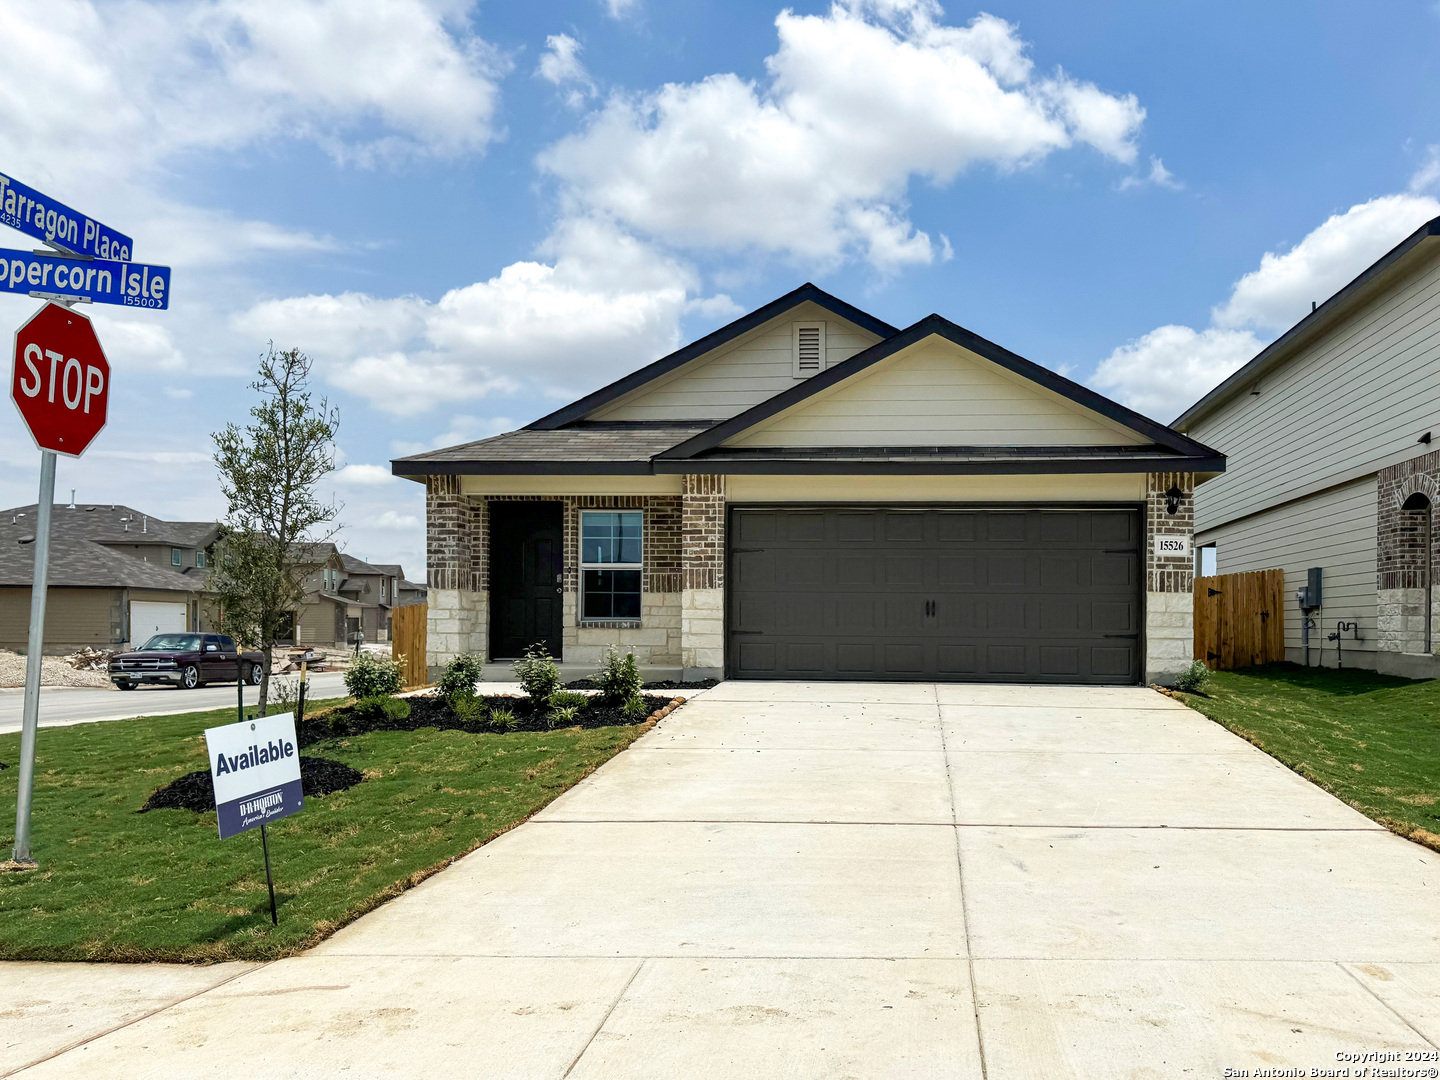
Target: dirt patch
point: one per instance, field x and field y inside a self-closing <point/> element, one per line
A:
<point x="196" y="791"/>
<point x="54" y="671"/>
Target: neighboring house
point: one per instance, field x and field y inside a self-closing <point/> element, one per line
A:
<point x="116" y="576"/>
<point x="1329" y="433"/>
<point x="344" y="595"/>
<point x="371" y="591"/>
<point x="410" y="592"/>
<point x="811" y="493"/>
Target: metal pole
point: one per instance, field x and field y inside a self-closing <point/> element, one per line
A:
<point x="239" y="688"/>
<point x="300" y="706"/>
<point x="33" y="659"/>
<point x="269" y="880"/>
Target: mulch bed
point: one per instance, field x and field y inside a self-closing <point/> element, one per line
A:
<point x="196" y="791"/>
<point x="431" y="711"/>
<point x="664" y="684"/>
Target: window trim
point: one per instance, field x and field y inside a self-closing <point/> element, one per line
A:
<point x="177" y="557"/>
<point x="580" y="615"/>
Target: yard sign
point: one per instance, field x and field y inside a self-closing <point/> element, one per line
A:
<point x="255" y="766"/>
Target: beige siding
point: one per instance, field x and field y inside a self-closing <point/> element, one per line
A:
<point x="73" y="618"/>
<point x="938" y="394"/>
<point x="1334" y="530"/>
<point x="739" y="374"/>
<point x="570" y="485"/>
<point x="1352" y="401"/>
<point x="1107" y="487"/>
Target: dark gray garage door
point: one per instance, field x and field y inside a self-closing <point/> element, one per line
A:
<point x="984" y="595"/>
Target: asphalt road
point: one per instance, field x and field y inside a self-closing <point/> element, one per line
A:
<point x="62" y="705"/>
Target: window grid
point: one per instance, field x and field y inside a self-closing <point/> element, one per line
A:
<point x="611" y="562"/>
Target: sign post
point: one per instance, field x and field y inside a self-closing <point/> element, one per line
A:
<point x="255" y="767"/>
<point x="61" y="386"/>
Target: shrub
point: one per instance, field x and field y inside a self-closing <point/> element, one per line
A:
<point x="284" y="694"/>
<point x="563" y="716"/>
<point x="539" y="675"/>
<point x="1193" y="679"/>
<point x="460" y="676"/>
<point x="636" y="709"/>
<point x="569" y="699"/>
<point x="618" y="678"/>
<point x="470" y="710"/>
<point x="381" y="707"/>
<point x="503" y="718"/>
<point x="369" y="675"/>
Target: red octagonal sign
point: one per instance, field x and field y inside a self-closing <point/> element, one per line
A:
<point x="61" y="381"/>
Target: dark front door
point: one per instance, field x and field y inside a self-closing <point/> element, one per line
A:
<point x="996" y="595"/>
<point x="525" y="578"/>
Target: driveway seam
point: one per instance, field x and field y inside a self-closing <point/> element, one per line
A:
<point x="958" y="824"/>
<point x="606" y="1018"/>
<point x="1385" y="1004"/>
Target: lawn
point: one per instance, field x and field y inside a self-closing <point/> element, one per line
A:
<point x="1372" y="740"/>
<point x="114" y="884"/>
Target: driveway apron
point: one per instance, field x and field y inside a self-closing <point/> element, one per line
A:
<point x="841" y="880"/>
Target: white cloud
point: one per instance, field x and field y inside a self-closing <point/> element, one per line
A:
<point x="1428" y="174"/>
<point x="1171" y="367"/>
<point x="389" y="519"/>
<point x="815" y="163"/>
<point x="1158" y="175"/>
<point x="1279" y="293"/>
<point x="560" y="65"/>
<point x="620" y="9"/>
<point x="363" y="476"/>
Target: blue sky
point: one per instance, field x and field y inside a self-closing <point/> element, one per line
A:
<point x="468" y="214"/>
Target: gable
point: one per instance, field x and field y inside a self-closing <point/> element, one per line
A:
<point x="937" y="393"/>
<point x="741" y="373"/>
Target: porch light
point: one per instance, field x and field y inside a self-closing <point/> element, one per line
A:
<point x="1172" y="500"/>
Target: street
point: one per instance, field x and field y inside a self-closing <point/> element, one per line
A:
<point x="63" y="705"/>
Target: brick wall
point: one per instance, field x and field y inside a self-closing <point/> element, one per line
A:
<point x="450" y="533"/>
<point x="1169" y="574"/>
<point x="703" y="532"/>
<point x="1400" y="557"/>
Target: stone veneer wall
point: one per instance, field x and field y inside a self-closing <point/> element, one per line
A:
<point x="455" y="559"/>
<point x="1169" y="580"/>
<point x="1403" y="568"/>
<point x="702" y="597"/>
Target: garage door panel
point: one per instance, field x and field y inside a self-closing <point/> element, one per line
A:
<point x="995" y="595"/>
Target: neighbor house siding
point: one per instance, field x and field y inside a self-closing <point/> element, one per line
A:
<point x="1334" y="530"/>
<point x="1353" y="400"/>
<point x="73" y="618"/>
<point x="937" y="394"/>
<point x="747" y="371"/>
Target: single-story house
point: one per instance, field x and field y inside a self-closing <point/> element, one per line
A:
<point x="811" y="493"/>
<point x="1330" y="433"/>
<point x="116" y="576"/>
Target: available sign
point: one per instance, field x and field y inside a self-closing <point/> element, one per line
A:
<point x="24" y="208"/>
<point x="256" y="770"/>
<point x="102" y="281"/>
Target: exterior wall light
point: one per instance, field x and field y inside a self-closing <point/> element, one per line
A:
<point x="1172" y="500"/>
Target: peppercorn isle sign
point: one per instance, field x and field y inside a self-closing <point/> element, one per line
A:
<point x="255" y="766"/>
<point x="101" y="281"/>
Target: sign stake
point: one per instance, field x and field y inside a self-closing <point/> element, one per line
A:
<point x="269" y="879"/>
<point x="33" y="660"/>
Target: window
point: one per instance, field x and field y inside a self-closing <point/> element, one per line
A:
<point x="200" y="560"/>
<point x="808" y="349"/>
<point x="610" y="563"/>
<point x="176" y="556"/>
<point x="1206" y="561"/>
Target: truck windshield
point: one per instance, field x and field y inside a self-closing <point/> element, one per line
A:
<point x="172" y="643"/>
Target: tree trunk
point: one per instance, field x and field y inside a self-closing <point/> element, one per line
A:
<point x="267" y="650"/>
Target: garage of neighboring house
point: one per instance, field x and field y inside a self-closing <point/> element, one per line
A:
<point x="809" y="493"/>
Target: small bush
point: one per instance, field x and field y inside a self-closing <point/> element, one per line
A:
<point x="460" y="676"/>
<point x="381" y="707"/>
<point x="636" y="709"/>
<point x="563" y="716"/>
<point x="539" y="675"/>
<point x="618" y="678"/>
<point x="503" y="718"/>
<point x="370" y="675"/>
<point x="569" y="699"/>
<point x="1193" y="679"/>
<point x="284" y="694"/>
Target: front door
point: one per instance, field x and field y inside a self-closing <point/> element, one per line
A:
<point x="525" y="578"/>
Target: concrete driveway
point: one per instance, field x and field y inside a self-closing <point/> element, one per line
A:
<point x="840" y="881"/>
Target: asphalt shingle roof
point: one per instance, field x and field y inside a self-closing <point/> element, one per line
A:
<point x="79" y="556"/>
<point x="597" y="442"/>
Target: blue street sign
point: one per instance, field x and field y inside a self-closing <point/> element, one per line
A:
<point x="103" y="281"/>
<point x="24" y="208"/>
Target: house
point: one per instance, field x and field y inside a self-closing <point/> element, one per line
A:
<point x="345" y="595"/>
<point x="371" y="591"/>
<point x="405" y="592"/>
<point x="812" y="493"/>
<point x="117" y="575"/>
<point x="1329" y="432"/>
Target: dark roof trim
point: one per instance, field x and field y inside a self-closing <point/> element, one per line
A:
<point x="578" y="410"/>
<point x="1314" y="322"/>
<point x="941" y="327"/>
<point x="418" y="470"/>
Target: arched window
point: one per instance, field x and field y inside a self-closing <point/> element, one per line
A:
<point x="1417" y="529"/>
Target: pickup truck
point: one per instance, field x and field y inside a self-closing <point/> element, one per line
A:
<point x="186" y="660"/>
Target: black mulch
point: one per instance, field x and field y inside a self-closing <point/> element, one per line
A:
<point x="196" y="791"/>
<point x="664" y="684"/>
<point x="429" y="711"/>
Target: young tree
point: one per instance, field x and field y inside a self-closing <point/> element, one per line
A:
<point x="269" y="471"/>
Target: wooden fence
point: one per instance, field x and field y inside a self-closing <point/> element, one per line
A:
<point x="408" y="640"/>
<point x="1240" y="619"/>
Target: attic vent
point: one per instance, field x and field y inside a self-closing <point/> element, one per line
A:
<point x="809" y="349"/>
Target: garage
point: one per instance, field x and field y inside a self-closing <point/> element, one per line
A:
<point x="148" y="618"/>
<point x="1002" y="594"/>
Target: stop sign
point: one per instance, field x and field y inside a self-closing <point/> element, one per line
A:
<point x="61" y="381"/>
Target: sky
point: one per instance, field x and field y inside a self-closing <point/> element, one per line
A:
<point x="468" y="214"/>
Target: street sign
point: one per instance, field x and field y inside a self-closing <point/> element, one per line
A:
<point x="24" y="208"/>
<point x="61" y="380"/>
<point x="102" y="281"/>
<point x="256" y="770"/>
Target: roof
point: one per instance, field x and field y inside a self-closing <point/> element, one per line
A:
<point x="115" y="524"/>
<point x="394" y="570"/>
<point x="87" y="564"/>
<point x="1419" y="245"/>
<point x="603" y="447"/>
<point x="807" y="293"/>
<point x="351" y="565"/>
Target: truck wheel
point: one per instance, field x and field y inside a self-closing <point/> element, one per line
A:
<point x="125" y="685"/>
<point x="190" y="677"/>
<point x="253" y="674"/>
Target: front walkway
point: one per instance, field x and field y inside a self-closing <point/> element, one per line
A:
<point x="855" y="880"/>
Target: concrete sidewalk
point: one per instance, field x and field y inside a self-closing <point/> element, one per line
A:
<point x="852" y="880"/>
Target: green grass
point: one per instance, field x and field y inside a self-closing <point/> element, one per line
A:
<point x="1372" y="740"/>
<point x="114" y="884"/>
